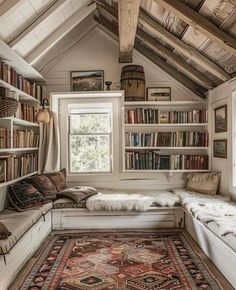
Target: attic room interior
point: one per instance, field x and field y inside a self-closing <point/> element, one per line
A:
<point x="117" y="144"/>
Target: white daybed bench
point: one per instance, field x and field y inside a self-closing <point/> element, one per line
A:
<point x="66" y="215"/>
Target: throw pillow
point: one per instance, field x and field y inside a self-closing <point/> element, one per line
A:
<point x="43" y="184"/>
<point x="206" y="183"/>
<point x="4" y="233"/>
<point x="78" y="193"/>
<point x="25" y="196"/>
<point x="58" y="179"/>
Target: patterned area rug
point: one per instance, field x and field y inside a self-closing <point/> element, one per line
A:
<point x="129" y="261"/>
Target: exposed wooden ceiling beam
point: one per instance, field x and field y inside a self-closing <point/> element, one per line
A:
<point x="200" y="23"/>
<point x="167" y="54"/>
<point x="184" y="48"/>
<point x="147" y="52"/>
<point x="7" y="5"/>
<point x="46" y="13"/>
<point x="128" y="11"/>
<point x="60" y="32"/>
<point x="170" y="56"/>
<point x="174" y="41"/>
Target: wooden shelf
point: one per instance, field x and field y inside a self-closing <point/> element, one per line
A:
<point x="22" y="95"/>
<point x="21" y="65"/>
<point x="17" y="179"/>
<point x="20" y="122"/>
<point x="19" y="149"/>
<point x="167" y="103"/>
<point x="165" y="148"/>
<point x="168" y="125"/>
<point x="165" y="170"/>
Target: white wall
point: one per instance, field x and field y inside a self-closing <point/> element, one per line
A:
<point x="219" y="97"/>
<point x="98" y="50"/>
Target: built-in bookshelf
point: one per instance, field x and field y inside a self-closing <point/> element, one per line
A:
<point x="165" y="137"/>
<point x="19" y="134"/>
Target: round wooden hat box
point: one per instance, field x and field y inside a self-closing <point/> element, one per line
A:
<point x="133" y="82"/>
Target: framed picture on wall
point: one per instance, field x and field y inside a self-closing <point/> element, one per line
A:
<point x="220" y="148"/>
<point x="158" y="94"/>
<point x="87" y="80"/>
<point x="221" y="119"/>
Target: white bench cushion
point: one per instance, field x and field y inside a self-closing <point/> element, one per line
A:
<point x="18" y="223"/>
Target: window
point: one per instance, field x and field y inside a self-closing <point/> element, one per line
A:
<point x="90" y="130"/>
<point x="90" y="138"/>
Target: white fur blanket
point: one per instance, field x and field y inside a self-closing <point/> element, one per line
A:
<point x="210" y="208"/>
<point x="114" y="202"/>
<point x="130" y="200"/>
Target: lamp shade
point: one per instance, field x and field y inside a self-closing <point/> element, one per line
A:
<point x="43" y="116"/>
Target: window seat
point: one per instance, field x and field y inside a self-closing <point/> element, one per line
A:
<point x="18" y="223"/>
<point x="29" y="229"/>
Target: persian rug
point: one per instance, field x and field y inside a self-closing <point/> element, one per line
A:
<point x="119" y="261"/>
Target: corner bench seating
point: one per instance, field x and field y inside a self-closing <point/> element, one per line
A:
<point x="29" y="229"/>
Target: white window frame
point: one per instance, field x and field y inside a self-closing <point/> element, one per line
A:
<point x="59" y="102"/>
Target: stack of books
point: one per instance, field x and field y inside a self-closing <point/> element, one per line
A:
<point x="9" y="75"/>
<point x="25" y="138"/>
<point x="26" y="112"/>
<point x="155" y="116"/>
<point x="5" y="138"/>
<point x="167" y="139"/>
<point x="12" y="166"/>
<point x="152" y="160"/>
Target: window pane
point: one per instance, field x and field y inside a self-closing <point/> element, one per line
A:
<point x="90" y="123"/>
<point x="90" y="153"/>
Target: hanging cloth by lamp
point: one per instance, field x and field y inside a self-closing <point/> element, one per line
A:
<point x="43" y="115"/>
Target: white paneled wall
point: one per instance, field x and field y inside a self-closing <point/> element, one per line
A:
<point x="97" y="50"/>
<point x="219" y="97"/>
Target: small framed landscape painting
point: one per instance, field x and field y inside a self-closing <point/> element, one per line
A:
<point x="220" y="148"/>
<point x="221" y="119"/>
<point x="159" y="94"/>
<point x="87" y="80"/>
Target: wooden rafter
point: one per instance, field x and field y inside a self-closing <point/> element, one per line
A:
<point x="146" y="51"/>
<point x="200" y="23"/>
<point x="184" y="48"/>
<point x="168" y="54"/>
<point x="128" y="11"/>
<point x="52" y="8"/>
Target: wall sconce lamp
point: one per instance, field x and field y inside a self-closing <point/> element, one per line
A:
<point x="43" y="115"/>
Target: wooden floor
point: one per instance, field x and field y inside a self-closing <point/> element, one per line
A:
<point x="211" y="267"/>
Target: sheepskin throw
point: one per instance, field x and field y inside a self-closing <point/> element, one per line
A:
<point x="206" y="183"/>
<point x="109" y="199"/>
<point x="114" y="202"/>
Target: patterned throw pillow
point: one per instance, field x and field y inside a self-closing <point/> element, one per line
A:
<point x="58" y="179"/>
<point x="43" y="184"/>
<point x="4" y="233"/>
<point x="25" y="196"/>
<point x="206" y="183"/>
<point x="78" y="193"/>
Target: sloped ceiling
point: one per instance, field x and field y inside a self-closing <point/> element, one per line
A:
<point x="200" y="59"/>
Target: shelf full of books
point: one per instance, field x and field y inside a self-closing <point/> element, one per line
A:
<point x="154" y="139"/>
<point x="9" y="78"/>
<point x="13" y="166"/>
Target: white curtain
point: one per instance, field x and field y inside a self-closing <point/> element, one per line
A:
<point x="49" y="145"/>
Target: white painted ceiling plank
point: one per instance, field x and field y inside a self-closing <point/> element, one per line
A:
<point x="56" y="5"/>
<point x="59" y="33"/>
